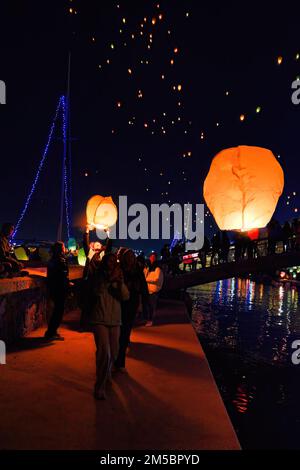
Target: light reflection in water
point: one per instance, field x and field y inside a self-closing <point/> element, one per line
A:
<point x="257" y="345"/>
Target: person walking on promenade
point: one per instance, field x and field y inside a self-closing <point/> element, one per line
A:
<point x="105" y="318"/>
<point x="7" y="257"/>
<point x="154" y="278"/>
<point x="287" y="237"/>
<point x="94" y="252"/>
<point x="138" y="290"/>
<point x="58" y="284"/>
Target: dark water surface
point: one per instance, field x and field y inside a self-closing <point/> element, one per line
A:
<point x="247" y="330"/>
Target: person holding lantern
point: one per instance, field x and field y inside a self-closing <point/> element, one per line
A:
<point x="105" y="318"/>
<point x="94" y="252"/>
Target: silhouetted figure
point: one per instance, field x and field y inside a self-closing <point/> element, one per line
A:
<point x="204" y="252"/>
<point x="137" y="286"/>
<point x="7" y="257"/>
<point x="215" y="249"/>
<point x="295" y="234"/>
<point x="175" y="259"/>
<point x="105" y="318"/>
<point x="225" y="245"/>
<point x="58" y="284"/>
<point x="239" y="246"/>
<point x="287" y="237"/>
<point x="274" y="235"/>
<point x="165" y="258"/>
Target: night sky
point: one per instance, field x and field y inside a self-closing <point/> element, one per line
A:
<point x="148" y="123"/>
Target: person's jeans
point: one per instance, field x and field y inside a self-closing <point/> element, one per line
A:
<point x="150" y="306"/>
<point x="58" y="311"/>
<point x="129" y="312"/>
<point x="107" y="347"/>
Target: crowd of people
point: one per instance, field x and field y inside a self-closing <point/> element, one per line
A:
<point x="115" y="286"/>
<point x="242" y="245"/>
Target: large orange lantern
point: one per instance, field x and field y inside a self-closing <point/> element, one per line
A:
<point x="242" y="187"/>
<point x="101" y="212"/>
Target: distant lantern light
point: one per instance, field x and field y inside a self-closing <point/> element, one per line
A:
<point x="297" y="56"/>
<point x="172" y="61"/>
<point x="101" y="212"/>
<point x="242" y="187"/>
<point x="242" y="117"/>
<point x="179" y="87"/>
<point x="71" y="10"/>
<point x="112" y="46"/>
<point x="279" y="60"/>
<point x="119" y="104"/>
<point x="153" y="21"/>
<point x="72" y="244"/>
<point x="81" y="257"/>
<point x="124" y="20"/>
<point x="160" y="16"/>
<point x="227" y="93"/>
<point x="258" y="109"/>
<point x="176" y="50"/>
<point x="130" y="71"/>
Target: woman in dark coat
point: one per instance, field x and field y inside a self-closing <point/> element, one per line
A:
<point x="58" y="283"/>
<point x="136" y="284"/>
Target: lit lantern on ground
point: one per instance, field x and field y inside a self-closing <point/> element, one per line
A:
<point x="81" y="257"/>
<point x="242" y="187"/>
<point x="72" y="244"/>
<point x="101" y="212"/>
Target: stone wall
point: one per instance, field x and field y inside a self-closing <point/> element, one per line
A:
<point x="24" y="306"/>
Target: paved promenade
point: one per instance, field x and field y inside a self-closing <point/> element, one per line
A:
<point x="168" y="399"/>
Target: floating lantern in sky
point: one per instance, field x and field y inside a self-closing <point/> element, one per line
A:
<point x="258" y="109"/>
<point x="242" y="187"/>
<point x="242" y="117"/>
<point x="101" y="212"/>
<point x="279" y="60"/>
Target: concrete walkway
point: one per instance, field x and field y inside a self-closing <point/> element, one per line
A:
<point x="168" y="399"/>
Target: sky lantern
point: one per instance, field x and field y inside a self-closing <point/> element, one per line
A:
<point x="242" y="187"/>
<point x="101" y="212"/>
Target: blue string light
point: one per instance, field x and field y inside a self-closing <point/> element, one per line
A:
<point x="64" y="131"/>
<point x="40" y="167"/>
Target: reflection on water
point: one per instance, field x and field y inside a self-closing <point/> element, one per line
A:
<point x="247" y="330"/>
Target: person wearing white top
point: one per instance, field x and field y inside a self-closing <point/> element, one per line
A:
<point x="154" y="278"/>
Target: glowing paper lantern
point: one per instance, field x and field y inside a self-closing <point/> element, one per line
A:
<point x="72" y="244"/>
<point x="242" y="187"/>
<point x="101" y="212"/>
<point x="81" y="257"/>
